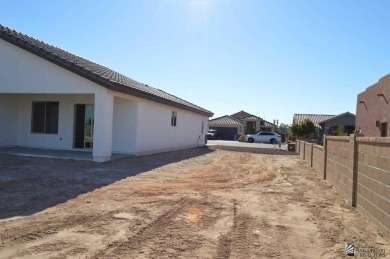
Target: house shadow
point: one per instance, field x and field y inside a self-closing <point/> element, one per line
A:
<point x="32" y="184"/>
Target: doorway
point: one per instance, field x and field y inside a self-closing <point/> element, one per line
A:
<point x="84" y="121"/>
<point x="251" y="127"/>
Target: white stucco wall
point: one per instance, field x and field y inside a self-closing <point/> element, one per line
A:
<point x="8" y="119"/>
<point x="124" y="126"/>
<point x="155" y="133"/>
<point x="23" y="72"/>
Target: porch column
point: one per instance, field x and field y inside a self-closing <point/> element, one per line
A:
<point x="102" y="139"/>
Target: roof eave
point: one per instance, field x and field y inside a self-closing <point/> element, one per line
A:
<point x="144" y="95"/>
<point x="89" y="75"/>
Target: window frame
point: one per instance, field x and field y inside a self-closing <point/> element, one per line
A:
<point x="46" y="119"/>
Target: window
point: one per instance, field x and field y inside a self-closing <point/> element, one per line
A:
<point x="202" y="130"/>
<point x="174" y="118"/>
<point x="45" y="117"/>
<point x="384" y="129"/>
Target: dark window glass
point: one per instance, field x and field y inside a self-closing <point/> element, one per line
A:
<point x="38" y="117"/>
<point x="173" y="118"/>
<point x="51" y="117"/>
<point x="45" y="117"/>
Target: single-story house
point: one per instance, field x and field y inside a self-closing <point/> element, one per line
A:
<point x="240" y="123"/>
<point x="50" y="98"/>
<point x="373" y="109"/>
<point x="227" y="126"/>
<point x="328" y="124"/>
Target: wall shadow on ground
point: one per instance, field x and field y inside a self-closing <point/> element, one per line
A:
<point x="31" y="184"/>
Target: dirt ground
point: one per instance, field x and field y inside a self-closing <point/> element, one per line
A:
<point x="193" y="204"/>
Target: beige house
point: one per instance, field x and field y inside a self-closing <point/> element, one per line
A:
<point x="240" y="123"/>
<point x="228" y="127"/>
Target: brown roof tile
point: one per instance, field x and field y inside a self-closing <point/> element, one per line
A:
<point x="315" y="118"/>
<point x="226" y="120"/>
<point x="240" y="114"/>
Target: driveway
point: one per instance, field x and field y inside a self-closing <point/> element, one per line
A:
<point x="197" y="203"/>
<point x="230" y="143"/>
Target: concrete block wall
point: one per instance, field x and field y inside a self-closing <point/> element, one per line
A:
<point x="373" y="180"/>
<point x="297" y="146"/>
<point x="308" y="152"/>
<point x="318" y="159"/>
<point x="339" y="165"/>
<point x="302" y="150"/>
<point x="359" y="169"/>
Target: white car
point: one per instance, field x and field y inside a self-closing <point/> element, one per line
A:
<point x="264" y="137"/>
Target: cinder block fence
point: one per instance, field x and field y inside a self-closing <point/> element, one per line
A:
<point x="359" y="169"/>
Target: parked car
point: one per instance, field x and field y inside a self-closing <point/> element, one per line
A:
<point x="212" y="134"/>
<point x="264" y="137"/>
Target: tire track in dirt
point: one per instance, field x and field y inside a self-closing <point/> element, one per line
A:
<point x="162" y="231"/>
<point x="237" y="243"/>
<point x="32" y="231"/>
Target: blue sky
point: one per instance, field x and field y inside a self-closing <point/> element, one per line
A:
<point x="271" y="58"/>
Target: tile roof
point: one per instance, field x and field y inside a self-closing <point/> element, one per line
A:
<point x="95" y="72"/>
<point x="240" y="114"/>
<point x="268" y="124"/>
<point x="226" y="120"/>
<point x="315" y="118"/>
<point x="250" y="117"/>
<point x="337" y="116"/>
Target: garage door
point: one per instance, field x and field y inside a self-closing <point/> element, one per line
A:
<point x="226" y="133"/>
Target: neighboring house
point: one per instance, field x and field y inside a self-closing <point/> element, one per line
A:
<point x="373" y="109"/>
<point x="330" y="126"/>
<point x="240" y="123"/>
<point x="50" y="98"/>
<point x="327" y="124"/>
<point x="227" y="126"/>
<point x="315" y="118"/>
<point x="254" y="123"/>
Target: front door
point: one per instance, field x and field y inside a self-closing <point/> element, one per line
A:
<point x="251" y="127"/>
<point x="84" y="120"/>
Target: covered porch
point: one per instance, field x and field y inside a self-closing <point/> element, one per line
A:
<point x="96" y="126"/>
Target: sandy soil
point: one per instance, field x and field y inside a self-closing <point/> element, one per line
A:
<point x="219" y="204"/>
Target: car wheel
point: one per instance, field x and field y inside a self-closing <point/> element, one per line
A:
<point x="273" y="141"/>
<point x="251" y="140"/>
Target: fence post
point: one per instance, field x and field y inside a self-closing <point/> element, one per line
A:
<point x="355" y="158"/>
<point x="311" y="154"/>
<point x="325" y="143"/>
<point x="304" y="149"/>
